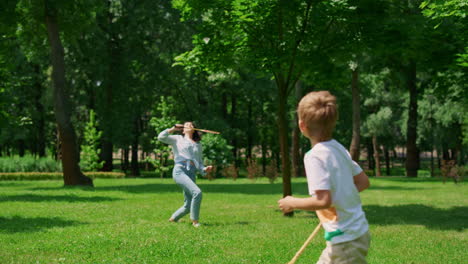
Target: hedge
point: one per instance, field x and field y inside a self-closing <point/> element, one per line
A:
<point x="19" y="176"/>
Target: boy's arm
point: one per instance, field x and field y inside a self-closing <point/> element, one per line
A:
<point x="321" y="200"/>
<point x="361" y="181"/>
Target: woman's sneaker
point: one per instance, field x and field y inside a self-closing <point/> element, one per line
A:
<point x="196" y="224"/>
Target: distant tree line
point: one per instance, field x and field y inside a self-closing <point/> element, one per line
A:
<point x="398" y="69"/>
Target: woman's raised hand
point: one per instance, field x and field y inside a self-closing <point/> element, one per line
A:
<point x="208" y="168"/>
<point x="176" y="127"/>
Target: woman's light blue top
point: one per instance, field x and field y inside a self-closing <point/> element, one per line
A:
<point x="185" y="150"/>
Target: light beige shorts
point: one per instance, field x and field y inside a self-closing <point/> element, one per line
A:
<point x="351" y="252"/>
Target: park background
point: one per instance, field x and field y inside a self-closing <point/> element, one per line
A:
<point x="86" y="86"/>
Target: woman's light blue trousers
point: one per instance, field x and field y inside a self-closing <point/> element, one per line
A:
<point x="184" y="176"/>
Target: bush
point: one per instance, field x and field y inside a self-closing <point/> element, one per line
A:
<point x="90" y="149"/>
<point x="19" y="176"/>
<point x="29" y="164"/>
<point x="253" y="169"/>
<point x="272" y="171"/>
<point x="230" y="172"/>
<point x="217" y="152"/>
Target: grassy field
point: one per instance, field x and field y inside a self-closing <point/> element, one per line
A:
<point x="125" y="221"/>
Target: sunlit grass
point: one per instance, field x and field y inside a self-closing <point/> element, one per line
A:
<point x="125" y="221"/>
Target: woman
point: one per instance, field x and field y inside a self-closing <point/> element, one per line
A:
<point x="187" y="160"/>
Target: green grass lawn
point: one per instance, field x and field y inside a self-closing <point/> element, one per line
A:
<point x="125" y="221"/>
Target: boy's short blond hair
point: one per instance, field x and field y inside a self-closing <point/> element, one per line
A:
<point x="319" y="111"/>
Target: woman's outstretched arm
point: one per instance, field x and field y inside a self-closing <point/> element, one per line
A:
<point x="164" y="136"/>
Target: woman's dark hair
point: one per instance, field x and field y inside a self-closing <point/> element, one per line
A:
<point x="196" y="135"/>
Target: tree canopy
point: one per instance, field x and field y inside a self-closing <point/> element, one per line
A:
<point x="398" y="69"/>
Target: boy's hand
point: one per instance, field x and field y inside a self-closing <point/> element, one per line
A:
<point x="286" y="204"/>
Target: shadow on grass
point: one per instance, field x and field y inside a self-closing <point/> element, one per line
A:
<point x="246" y="188"/>
<point x="18" y="224"/>
<point x="233" y="188"/>
<point x="240" y="188"/>
<point x="407" y="179"/>
<point x="417" y="214"/>
<point x="298" y="188"/>
<point x="214" y="224"/>
<point x="393" y="188"/>
<point x="12" y="184"/>
<point x="54" y="198"/>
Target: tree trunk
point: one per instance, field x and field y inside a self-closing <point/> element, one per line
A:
<point x="376" y="156"/>
<point x="370" y="155"/>
<point x="224" y="104"/>
<point x="458" y="148"/>
<point x="125" y="159"/>
<point x="387" y="161"/>
<point x="40" y="121"/>
<point x="111" y="84"/>
<point x="296" y="136"/>
<point x="264" y="160"/>
<point x="57" y="146"/>
<point x="21" y="147"/>
<point x="354" y="149"/>
<point x="234" y="126"/>
<point x="72" y="174"/>
<point x="263" y="142"/>
<point x="249" y="131"/>
<point x="438" y="159"/>
<point x="283" y="138"/>
<point x="445" y="151"/>
<point x="106" y="154"/>
<point x="412" y="153"/>
<point x="135" y="168"/>
<point x="432" y="162"/>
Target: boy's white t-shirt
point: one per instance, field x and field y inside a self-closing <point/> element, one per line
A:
<point x="329" y="166"/>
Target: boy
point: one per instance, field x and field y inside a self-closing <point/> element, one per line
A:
<point x="334" y="181"/>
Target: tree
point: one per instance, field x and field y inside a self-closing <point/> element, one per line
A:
<point x="451" y="13"/>
<point x="43" y="17"/>
<point x="407" y="46"/>
<point x="277" y="38"/>
<point x="69" y="148"/>
<point x="23" y="85"/>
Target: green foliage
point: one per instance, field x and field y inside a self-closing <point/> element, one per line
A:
<point x="267" y="37"/>
<point x="384" y="109"/>
<point x="463" y="58"/>
<point x="163" y="119"/>
<point x="217" y="152"/>
<point x="465" y="130"/>
<point x="90" y="148"/>
<point x="443" y="10"/>
<point x="29" y="163"/>
<point x="442" y="110"/>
